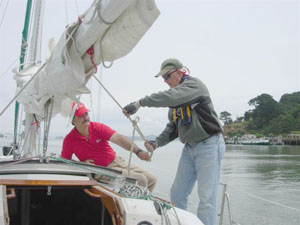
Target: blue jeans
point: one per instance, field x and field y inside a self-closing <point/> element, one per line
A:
<point x="200" y="161"/>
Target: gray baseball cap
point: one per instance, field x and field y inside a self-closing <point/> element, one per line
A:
<point x="168" y="65"/>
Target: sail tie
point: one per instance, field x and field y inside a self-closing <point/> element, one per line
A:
<point x="90" y="52"/>
<point x="79" y="19"/>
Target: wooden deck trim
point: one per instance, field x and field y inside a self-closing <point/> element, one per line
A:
<point x="11" y="182"/>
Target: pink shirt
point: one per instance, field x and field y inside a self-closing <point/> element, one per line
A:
<point x="96" y="147"/>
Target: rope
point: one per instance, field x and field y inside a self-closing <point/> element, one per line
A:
<point x="28" y="82"/>
<point x="97" y="9"/>
<point x="25" y="139"/>
<point x="50" y="104"/>
<point x="76" y="7"/>
<point x="102" y="56"/>
<point x="67" y="17"/>
<point x="99" y="94"/>
<point x="90" y="52"/>
<point x="4" y="13"/>
<point x="5" y="71"/>
<point x="69" y="37"/>
<point x="1" y="2"/>
<point x="138" y="192"/>
<point x="131" y="150"/>
<point x="134" y="124"/>
<point x="266" y="200"/>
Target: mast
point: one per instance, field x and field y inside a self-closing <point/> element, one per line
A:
<point x="22" y="59"/>
<point x="32" y="126"/>
<point x="30" y="56"/>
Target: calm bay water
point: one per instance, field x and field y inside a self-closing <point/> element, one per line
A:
<point x="263" y="181"/>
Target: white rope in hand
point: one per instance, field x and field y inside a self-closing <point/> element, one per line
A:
<point x="131" y="148"/>
<point x="134" y="124"/>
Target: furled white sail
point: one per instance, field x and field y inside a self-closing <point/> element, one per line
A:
<point x="111" y="28"/>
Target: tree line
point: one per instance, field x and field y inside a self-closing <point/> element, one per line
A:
<point x="268" y="118"/>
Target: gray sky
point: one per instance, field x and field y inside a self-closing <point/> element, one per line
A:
<point x="238" y="48"/>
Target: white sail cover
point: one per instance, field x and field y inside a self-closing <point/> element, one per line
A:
<point x="111" y="28"/>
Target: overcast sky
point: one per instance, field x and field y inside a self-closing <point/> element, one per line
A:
<point x="238" y="48"/>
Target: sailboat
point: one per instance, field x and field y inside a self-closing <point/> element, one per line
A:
<point x="37" y="188"/>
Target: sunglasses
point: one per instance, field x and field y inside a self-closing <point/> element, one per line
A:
<point x="167" y="76"/>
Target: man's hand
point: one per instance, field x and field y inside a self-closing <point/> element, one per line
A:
<point x="151" y="145"/>
<point x="131" y="108"/>
<point x="143" y="155"/>
<point x="89" y="161"/>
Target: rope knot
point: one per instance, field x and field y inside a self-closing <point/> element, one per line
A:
<point x="90" y="52"/>
<point x="79" y="19"/>
<point x="135" y="121"/>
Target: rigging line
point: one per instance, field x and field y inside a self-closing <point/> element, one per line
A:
<point x="132" y="121"/>
<point x="49" y="112"/>
<point x="4" y="13"/>
<point x="99" y="96"/>
<point x="1" y="2"/>
<point x="77" y="7"/>
<point x="96" y="110"/>
<point x="131" y="150"/>
<point x="90" y="86"/>
<point x="4" y="73"/>
<point x="67" y="17"/>
<point x="21" y="90"/>
<point x="19" y="137"/>
<point x="263" y="199"/>
<point x="25" y="141"/>
<point x="97" y="9"/>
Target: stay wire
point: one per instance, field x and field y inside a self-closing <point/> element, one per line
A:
<point x="1" y="2"/>
<point x="132" y="121"/>
<point x="263" y="199"/>
<point x="76" y="3"/>
<point x="5" y="71"/>
<point x="22" y="89"/>
<point x="67" y="16"/>
<point x="131" y="151"/>
<point x="4" y="13"/>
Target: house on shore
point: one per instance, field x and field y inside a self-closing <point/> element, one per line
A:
<point x="291" y="139"/>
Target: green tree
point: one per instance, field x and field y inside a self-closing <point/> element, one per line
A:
<point x="290" y="99"/>
<point x="248" y="114"/>
<point x="225" y="117"/>
<point x="265" y="110"/>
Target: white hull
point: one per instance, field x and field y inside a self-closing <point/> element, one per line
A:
<point x="60" y="193"/>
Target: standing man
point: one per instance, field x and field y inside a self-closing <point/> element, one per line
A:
<point x="89" y="142"/>
<point x="193" y="119"/>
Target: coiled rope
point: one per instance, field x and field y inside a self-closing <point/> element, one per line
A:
<point x="137" y="192"/>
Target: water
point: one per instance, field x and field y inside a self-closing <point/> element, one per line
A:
<point x="251" y="173"/>
<point x="269" y="172"/>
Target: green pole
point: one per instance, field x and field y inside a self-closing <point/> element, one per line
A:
<point x="22" y="59"/>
